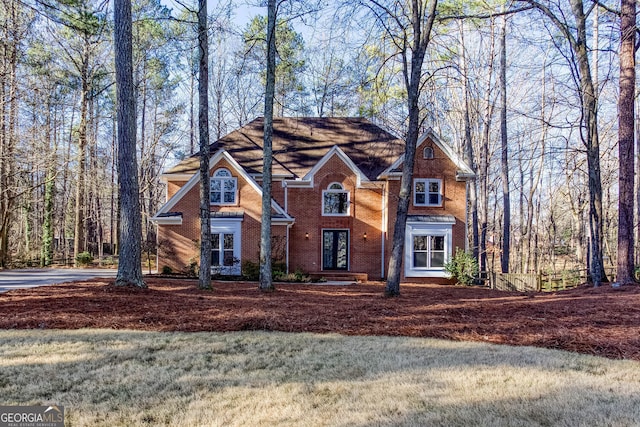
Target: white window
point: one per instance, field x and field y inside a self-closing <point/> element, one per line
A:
<point x="427" y="192"/>
<point x="224" y="188"/>
<point x="427" y="249"/>
<point x="335" y="200"/>
<point x="225" y="246"/>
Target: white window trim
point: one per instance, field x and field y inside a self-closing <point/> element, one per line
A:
<point x="222" y="179"/>
<point x="426" y="229"/>
<point x="229" y="226"/>
<point x="426" y="182"/>
<point x="342" y="190"/>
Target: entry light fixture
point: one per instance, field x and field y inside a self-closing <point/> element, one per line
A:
<point x="306" y="235"/>
<point x="365" y="235"/>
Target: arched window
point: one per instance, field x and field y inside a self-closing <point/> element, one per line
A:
<point x="335" y="200"/>
<point x="427" y="153"/>
<point x="224" y="188"/>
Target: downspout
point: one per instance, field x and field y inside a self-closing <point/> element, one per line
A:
<point x="287" y="252"/>
<point x="286" y="209"/>
<point x="383" y="227"/>
<point x="466" y="216"/>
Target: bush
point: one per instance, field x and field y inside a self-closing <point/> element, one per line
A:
<point x="84" y="258"/>
<point x="250" y="270"/>
<point x="167" y="270"/>
<point x="463" y="267"/>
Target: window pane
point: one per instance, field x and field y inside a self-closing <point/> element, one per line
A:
<point x="229" y="197"/>
<point x="420" y="199"/>
<point x="437" y="243"/>
<point x="434" y="187"/>
<point x="215" y="241"/>
<point x="215" y="185"/>
<point x="420" y="243"/>
<point x="228" y="241"/>
<point x="341" y="261"/>
<point x="229" y="185"/>
<point x="420" y="259"/>
<point x="228" y="258"/>
<point x="420" y="188"/>
<point x="327" y="249"/>
<point x="215" y="197"/>
<point x="335" y="186"/>
<point x="223" y="172"/>
<point x="437" y="259"/>
<point x="434" y="199"/>
<point x="336" y="203"/>
<point x="215" y="258"/>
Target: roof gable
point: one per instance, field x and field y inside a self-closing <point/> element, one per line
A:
<point x="195" y="179"/>
<point x="464" y="170"/>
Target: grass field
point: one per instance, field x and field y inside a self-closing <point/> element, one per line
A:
<point x="127" y="378"/>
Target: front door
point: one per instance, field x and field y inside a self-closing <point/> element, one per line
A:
<point x="335" y="249"/>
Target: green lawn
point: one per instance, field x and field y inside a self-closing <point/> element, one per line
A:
<point x="126" y="378"/>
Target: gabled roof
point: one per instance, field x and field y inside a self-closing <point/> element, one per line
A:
<point x="279" y="213"/>
<point x="464" y="170"/>
<point x="299" y="144"/>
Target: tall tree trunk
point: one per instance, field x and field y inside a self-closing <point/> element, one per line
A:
<point x="626" y="156"/>
<point x="129" y="264"/>
<point x="204" y="275"/>
<point x="266" y="282"/>
<point x="78" y="238"/>
<point x="8" y="116"/>
<point x="472" y="186"/>
<point x="49" y="193"/>
<point x="421" y="22"/>
<point x="506" y="204"/>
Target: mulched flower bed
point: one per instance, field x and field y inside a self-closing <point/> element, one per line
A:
<point x="603" y="321"/>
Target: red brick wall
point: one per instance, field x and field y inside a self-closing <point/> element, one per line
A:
<point x="454" y="203"/>
<point x="179" y="244"/>
<point x="305" y="205"/>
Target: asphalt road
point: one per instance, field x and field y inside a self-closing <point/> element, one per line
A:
<point x="30" y="278"/>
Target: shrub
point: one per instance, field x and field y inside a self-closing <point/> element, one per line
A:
<point x="463" y="267"/>
<point x="84" y="258"/>
<point x="250" y="270"/>
<point x="167" y="270"/>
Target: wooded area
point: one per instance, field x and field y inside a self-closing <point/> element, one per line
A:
<point x="529" y="92"/>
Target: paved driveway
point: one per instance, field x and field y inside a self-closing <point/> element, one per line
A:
<point x="29" y="278"/>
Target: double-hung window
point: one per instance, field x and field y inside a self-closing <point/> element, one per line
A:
<point x="427" y="248"/>
<point x="427" y="192"/>
<point x="335" y="200"/>
<point x="428" y="251"/>
<point x="224" y="188"/>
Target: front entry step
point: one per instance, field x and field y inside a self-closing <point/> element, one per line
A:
<point x="339" y="276"/>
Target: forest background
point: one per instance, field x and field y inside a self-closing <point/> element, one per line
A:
<point x="58" y="179"/>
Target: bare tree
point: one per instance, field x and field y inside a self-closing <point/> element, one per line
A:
<point x="575" y="33"/>
<point x="504" y="163"/>
<point x="409" y="26"/>
<point x="204" y="274"/>
<point x="626" y="155"/>
<point x="129" y="265"/>
<point x="266" y="282"/>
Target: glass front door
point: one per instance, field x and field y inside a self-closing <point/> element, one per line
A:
<point x="335" y="249"/>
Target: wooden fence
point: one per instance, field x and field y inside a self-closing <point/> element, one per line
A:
<point x="541" y="282"/>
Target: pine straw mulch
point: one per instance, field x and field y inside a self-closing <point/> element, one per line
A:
<point x="603" y="321"/>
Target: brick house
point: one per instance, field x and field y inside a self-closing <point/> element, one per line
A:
<point x="335" y="186"/>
